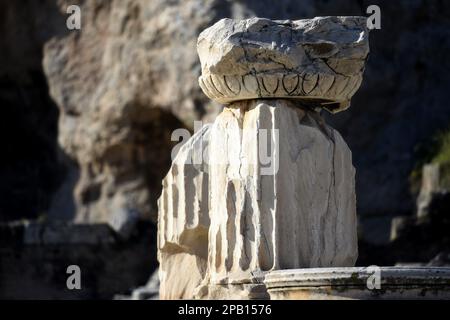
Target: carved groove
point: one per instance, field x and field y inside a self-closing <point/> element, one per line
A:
<point x="229" y="87"/>
<point x="290" y="92"/>
<point x="214" y="86"/>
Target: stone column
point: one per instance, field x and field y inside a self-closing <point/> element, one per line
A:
<point x="281" y="190"/>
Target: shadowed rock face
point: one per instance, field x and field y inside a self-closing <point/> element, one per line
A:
<point x="142" y="53"/>
<point x="123" y="84"/>
<point x="301" y="59"/>
<point x="29" y="166"/>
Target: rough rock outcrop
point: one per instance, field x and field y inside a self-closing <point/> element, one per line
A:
<point x="122" y="83"/>
<point x="128" y="53"/>
<point x="431" y="189"/>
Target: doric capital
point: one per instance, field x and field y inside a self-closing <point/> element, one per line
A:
<point x="318" y="60"/>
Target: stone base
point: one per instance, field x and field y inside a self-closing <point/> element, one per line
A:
<point x="354" y="283"/>
<point x="244" y="291"/>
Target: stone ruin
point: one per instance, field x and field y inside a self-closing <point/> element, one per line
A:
<point x="257" y="201"/>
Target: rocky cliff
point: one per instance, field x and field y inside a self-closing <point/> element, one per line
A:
<point x="87" y="117"/>
<point x="129" y="77"/>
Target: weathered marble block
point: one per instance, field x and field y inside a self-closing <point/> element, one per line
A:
<point x="320" y="59"/>
<point x="297" y="210"/>
<point x="183" y="220"/>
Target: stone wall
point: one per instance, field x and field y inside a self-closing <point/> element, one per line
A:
<point x="34" y="257"/>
